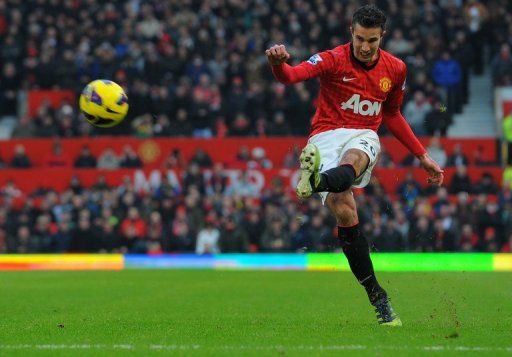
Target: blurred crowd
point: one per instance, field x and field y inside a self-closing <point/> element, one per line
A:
<point x="197" y="67"/>
<point x="206" y="210"/>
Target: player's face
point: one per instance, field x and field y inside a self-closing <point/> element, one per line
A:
<point x="366" y="42"/>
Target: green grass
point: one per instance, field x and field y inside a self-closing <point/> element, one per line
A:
<point x="250" y="313"/>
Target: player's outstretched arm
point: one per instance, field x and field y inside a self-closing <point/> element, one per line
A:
<point x="317" y="65"/>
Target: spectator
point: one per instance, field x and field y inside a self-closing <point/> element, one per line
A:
<point x="438" y="119"/>
<point x="20" y="160"/>
<point x="208" y="239"/>
<point x="259" y="159"/>
<point x="487" y="184"/>
<point x="457" y="157"/>
<point x="217" y="182"/>
<point x="501" y="66"/>
<point x="275" y="238"/>
<point x="291" y="159"/>
<point x="129" y="158"/>
<point x="398" y="45"/>
<point x="436" y="151"/>
<point x="202" y="159"/>
<point x="416" y="110"/>
<point x="85" y="159"/>
<point x="421" y="236"/>
<point x="242" y="186"/>
<point x="233" y="238"/>
<point x="108" y="160"/>
<point x="57" y="158"/>
<point x="25" y="128"/>
<point x="133" y="230"/>
<point x="447" y="73"/>
<point x="409" y="190"/>
<point x="193" y="178"/>
<point x="174" y="160"/>
<point x="460" y="181"/>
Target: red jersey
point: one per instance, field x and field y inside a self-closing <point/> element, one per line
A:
<point x="355" y="95"/>
<point x="352" y="94"/>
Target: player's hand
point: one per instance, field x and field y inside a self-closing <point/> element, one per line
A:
<point x="277" y="55"/>
<point x="435" y="173"/>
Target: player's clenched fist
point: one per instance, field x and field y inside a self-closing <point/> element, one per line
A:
<point x="277" y="54"/>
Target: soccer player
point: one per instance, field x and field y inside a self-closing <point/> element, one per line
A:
<point x="361" y="86"/>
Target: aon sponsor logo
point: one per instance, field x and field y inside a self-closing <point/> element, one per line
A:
<point x="363" y="107"/>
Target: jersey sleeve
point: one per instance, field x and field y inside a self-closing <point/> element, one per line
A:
<point x="395" y="98"/>
<point x="395" y="122"/>
<point x="316" y="66"/>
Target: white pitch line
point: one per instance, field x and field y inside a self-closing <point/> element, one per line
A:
<point x="155" y="347"/>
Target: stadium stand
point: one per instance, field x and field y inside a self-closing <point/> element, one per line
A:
<point x="196" y="69"/>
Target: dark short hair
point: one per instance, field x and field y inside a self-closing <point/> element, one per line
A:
<point x="369" y="16"/>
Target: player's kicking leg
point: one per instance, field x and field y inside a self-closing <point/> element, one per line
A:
<point x="341" y="202"/>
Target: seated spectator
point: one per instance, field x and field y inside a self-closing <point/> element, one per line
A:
<point x="129" y="158"/>
<point x="398" y="45"/>
<point x="101" y="184"/>
<point x="460" y="181"/>
<point x="410" y="161"/>
<point x="217" y="182"/>
<point x="279" y="126"/>
<point x="436" y="151"/>
<point x="233" y="237"/>
<point x="457" y="158"/>
<point x="501" y="67"/>
<point x="241" y="126"/>
<point x="143" y="126"/>
<point x="133" y="230"/>
<point x="162" y="127"/>
<point x="20" y="160"/>
<point x="291" y="159"/>
<point x="208" y="238"/>
<point x="181" y="126"/>
<point x="57" y="158"/>
<point x="242" y="186"/>
<point x="174" y="160"/>
<point x="468" y="238"/>
<point x="487" y="184"/>
<point x="85" y="159"/>
<point x="385" y="159"/>
<point x="25" y="128"/>
<point x="155" y="233"/>
<point x="409" y="189"/>
<point x="275" y="238"/>
<point x="259" y="159"/>
<point x="438" y="119"/>
<point x="108" y="160"/>
<point x="193" y="177"/>
<point x="415" y="111"/>
<point x="201" y="158"/>
<point x="10" y="190"/>
<point x="242" y="158"/>
<point x="75" y="184"/>
<point x="420" y="236"/>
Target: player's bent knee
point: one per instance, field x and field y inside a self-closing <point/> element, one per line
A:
<point x="358" y="159"/>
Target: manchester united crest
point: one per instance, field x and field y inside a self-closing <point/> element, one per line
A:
<point x="385" y="84"/>
<point x="149" y="151"/>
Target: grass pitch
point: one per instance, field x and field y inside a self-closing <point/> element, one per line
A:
<point x="250" y="313"/>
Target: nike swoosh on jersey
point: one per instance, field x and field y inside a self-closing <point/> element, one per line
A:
<point x="345" y="79"/>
